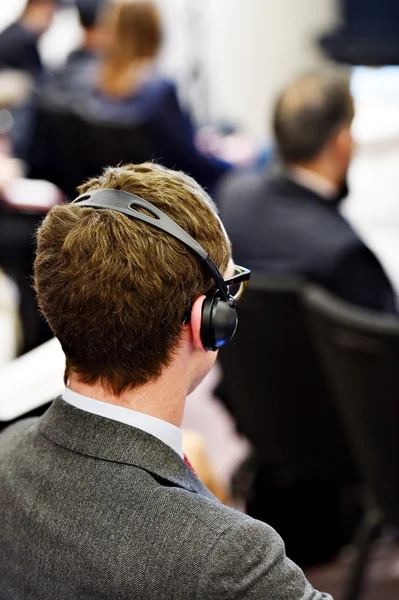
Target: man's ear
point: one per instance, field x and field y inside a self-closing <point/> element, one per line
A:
<point x="343" y="143"/>
<point x="195" y="323"/>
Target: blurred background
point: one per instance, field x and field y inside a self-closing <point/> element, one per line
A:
<point x="195" y="86"/>
<point x="208" y="44"/>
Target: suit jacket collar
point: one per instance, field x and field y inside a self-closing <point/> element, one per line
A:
<point x="98" y="437"/>
<point x="279" y="177"/>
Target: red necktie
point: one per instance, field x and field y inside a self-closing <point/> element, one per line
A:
<point x="190" y="466"/>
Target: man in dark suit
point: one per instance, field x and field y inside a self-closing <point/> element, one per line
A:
<point x="18" y="43"/>
<point x="287" y="220"/>
<point x="97" y="500"/>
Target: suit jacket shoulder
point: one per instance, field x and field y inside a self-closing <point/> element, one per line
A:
<point x="279" y="227"/>
<point x="115" y="513"/>
<point x="18" y="50"/>
<point x="244" y="558"/>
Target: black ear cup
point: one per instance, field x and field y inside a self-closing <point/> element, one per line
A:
<point x="219" y="322"/>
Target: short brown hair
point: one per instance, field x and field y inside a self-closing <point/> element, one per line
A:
<point x="114" y="290"/>
<point x="308" y="112"/>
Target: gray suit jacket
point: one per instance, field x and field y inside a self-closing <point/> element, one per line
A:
<point x="95" y="509"/>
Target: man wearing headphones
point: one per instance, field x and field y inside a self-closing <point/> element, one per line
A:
<point x="97" y="499"/>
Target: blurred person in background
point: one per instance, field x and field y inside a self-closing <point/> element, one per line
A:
<point x="23" y="202"/>
<point x="19" y="41"/>
<point x="128" y="82"/>
<point x="287" y="220"/>
<point x="123" y="87"/>
<point x="89" y="13"/>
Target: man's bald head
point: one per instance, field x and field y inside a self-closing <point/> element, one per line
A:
<point x="308" y="113"/>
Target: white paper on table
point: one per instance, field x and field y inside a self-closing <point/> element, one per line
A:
<point x="31" y="380"/>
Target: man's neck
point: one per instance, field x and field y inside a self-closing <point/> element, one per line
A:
<point x="314" y="179"/>
<point x="32" y="24"/>
<point x="163" y="398"/>
<point x="91" y="41"/>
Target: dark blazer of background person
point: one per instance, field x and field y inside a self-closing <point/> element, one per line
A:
<point x="142" y="505"/>
<point x="155" y="103"/>
<point x="288" y="221"/>
<point x="18" y="50"/>
<point x="19" y="41"/>
<point x="278" y="226"/>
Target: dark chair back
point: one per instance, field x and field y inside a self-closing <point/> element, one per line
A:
<point x="74" y="146"/>
<point x="110" y="144"/>
<point x="360" y="351"/>
<point x="58" y="152"/>
<point x="275" y="387"/>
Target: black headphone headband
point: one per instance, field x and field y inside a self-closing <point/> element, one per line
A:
<point x="124" y="202"/>
<point x="219" y="315"/>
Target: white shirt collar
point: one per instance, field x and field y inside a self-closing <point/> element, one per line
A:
<point x="314" y="182"/>
<point x="166" y="432"/>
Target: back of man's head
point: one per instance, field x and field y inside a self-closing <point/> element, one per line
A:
<point x="88" y="11"/>
<point x="115" y="290"/>
<point x="309" y="111"/>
